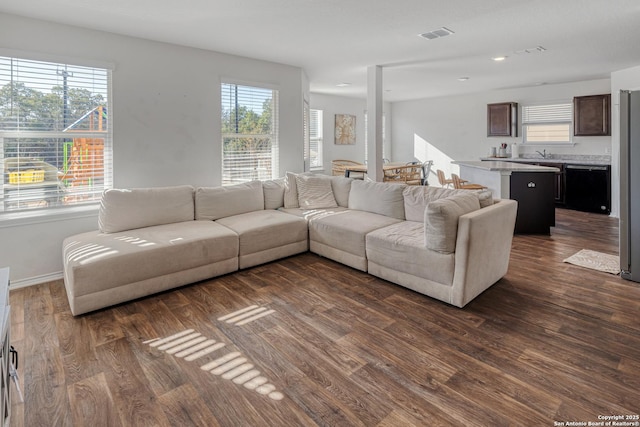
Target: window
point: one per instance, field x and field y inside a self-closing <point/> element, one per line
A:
<point x="249" y="133"/>
<point x="315" y="139"/>
<point x="55" y="134"/>
<point x="547" y="124"/>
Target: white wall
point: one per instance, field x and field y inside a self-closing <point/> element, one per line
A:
<point x="332" y="105"/>
<point x="455" y="127"/>
<point x="628" y="79"/>
<point x="166" y="102"/>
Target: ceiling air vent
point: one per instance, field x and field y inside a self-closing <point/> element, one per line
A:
<point x="440" y="32"/>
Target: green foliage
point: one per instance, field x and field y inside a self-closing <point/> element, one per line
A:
<point x="25" y="108"/>
<point x="244" y="121"/>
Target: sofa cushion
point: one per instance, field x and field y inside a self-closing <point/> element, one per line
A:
<point x="102" y="261"/>
<point x="341" y="187"/>
<point x="127" y="209"/>
<point x="310" y="214"/>
<point x="315" y="192"/>
<point x="400" y="247"/>
<point x="219" y="202"/>
<point x="346" y="230"/>
<point x="273" y="190"/>
<point x="441" y="220"/>
<point x="377" y="197"/>
<point x="266" y="229"/>
<point x="290" y="191"/>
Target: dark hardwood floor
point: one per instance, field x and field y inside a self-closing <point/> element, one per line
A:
<point x="549" y="343"/>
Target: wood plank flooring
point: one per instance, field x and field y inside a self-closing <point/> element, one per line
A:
<point x="547" y="344"/>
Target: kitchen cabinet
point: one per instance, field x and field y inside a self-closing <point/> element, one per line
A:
<point x="592" y="115"/>
<point x="536" y="209"/>
<point x="588" y="188"/>
<point x="558" y="180"/>
<point x="502" y="119"/>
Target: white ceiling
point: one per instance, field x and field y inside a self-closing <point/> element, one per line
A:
<point x="335" y="41"/>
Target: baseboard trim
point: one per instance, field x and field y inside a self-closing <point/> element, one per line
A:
<point x="37" y="280"/>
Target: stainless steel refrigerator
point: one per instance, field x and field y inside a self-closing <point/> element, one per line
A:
<point x="630" y="185"/>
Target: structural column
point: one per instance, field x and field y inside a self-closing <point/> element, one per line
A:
<point x="374" y="123"/>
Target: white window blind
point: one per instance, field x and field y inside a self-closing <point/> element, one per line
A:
<point x="249" y="133"/>
<point x="55" y="134"/>
<point x="315" y="139"/>
<point x="547" y="124"/>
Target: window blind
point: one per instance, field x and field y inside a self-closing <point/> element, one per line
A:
<point x="55" y="134"/>
<point x="315" y="139"/>
<point x="547" y="124"/>
<point x="249" y="133"/>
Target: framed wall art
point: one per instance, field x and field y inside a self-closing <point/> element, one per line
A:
<point x="345" y="132"/>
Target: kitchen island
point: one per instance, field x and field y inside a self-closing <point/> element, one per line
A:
<point x="530" y="185"/>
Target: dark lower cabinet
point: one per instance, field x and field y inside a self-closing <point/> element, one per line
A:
<point x="534" y="192"/>
<point x="588" y="188"/>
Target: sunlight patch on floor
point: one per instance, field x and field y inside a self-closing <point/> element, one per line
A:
<point x="192" y="345"/>
<point x="246" y="315"/>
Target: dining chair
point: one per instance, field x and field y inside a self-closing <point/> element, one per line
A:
<point x="338" y="168"/>
<point x="458" y="184"/>
<point x="408" y="174"/>
<point x="444" y="182"/>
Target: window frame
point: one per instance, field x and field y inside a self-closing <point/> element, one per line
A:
<point x="69" y="200"/>
<point x="273" y="136"/>
<point x="319" y="139"/>
<point x="558" y="113"/>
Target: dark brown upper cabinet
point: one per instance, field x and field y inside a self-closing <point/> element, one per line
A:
<point x="502" y="119"/>
<point x="592" y="115"/>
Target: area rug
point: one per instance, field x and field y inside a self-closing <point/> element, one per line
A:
<point x="596" y="261"/>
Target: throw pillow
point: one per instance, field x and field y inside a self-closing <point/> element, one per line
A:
<point x="315" y="192"/>
<point x="273" y="193"/>
<point x="441" y="220"/>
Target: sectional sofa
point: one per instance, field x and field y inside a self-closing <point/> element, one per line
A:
<point x="448" y="244"/>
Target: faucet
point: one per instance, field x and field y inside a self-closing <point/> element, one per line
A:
<point x="543" y="154"/>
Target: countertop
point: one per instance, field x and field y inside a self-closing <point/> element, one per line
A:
<point x="586" y="160"/>
<point x="504" y="166"/>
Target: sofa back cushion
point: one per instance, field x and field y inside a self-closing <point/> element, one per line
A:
<point x="416" y="199"/>
<point x="377" y="197"/>
<point x="127" y="209"/>
<point x="341" y="187"/>
<point x="220" y="202"/>
<point x="441" y="220"/>
<point x="273" y="190"/>
<point x="315" y="192"/>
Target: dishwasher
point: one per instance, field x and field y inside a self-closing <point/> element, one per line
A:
<point x="588" y="188"/>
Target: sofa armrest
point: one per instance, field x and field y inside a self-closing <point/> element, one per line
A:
<point x="483" y="248"/>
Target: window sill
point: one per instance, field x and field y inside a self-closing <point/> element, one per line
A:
<point x="17" y="219"/>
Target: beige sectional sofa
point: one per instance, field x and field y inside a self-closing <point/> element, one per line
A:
<point x="438" y="242"/>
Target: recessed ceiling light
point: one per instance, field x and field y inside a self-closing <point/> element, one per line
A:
<point x="499" y="58"/>
<point x="440" y="32"/>
<point x="343" y="84"/>
<point x="463" y="79"/>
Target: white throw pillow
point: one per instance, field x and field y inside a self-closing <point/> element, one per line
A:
<point x="341" y="187"/>
<point x="273" y="193"/>
<point x="315" y="192"/>
<point x="441" y="220"/>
